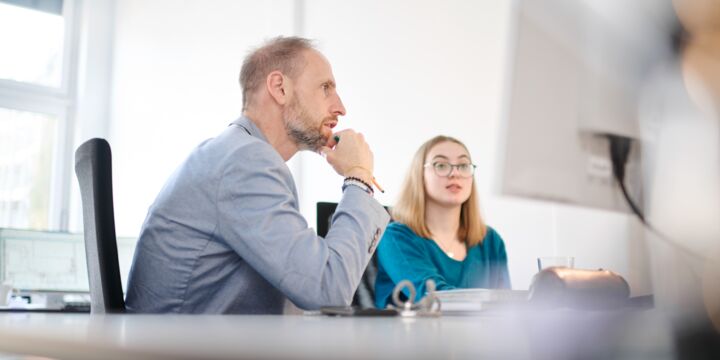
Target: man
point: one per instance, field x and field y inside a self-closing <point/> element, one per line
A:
<point x="225" y="235"/>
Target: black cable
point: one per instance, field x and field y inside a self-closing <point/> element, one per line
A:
<point x="619" y="152"/>
<point x="620" y="147"/>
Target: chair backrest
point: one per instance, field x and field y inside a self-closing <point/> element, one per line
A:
<point x="93" y="167"/>
<point x="365" y="294"/>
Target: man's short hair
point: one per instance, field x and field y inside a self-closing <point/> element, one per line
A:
<point x="281" y="53"/>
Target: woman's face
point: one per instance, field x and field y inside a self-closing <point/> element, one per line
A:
<point x="448" y="174"/>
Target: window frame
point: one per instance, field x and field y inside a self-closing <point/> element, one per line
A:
<point x="60" y="102"/>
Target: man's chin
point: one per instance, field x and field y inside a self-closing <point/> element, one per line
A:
<point x="322" y="142"/>
<point x="325" y="140"/>
<point x="314" y="146"/>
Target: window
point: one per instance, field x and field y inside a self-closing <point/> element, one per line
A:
<point x="32" y="44"/>
<point x="26" y="150"/>
<point x="37" y="81"/>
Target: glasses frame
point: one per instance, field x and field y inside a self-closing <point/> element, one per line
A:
<point x="452" y="167"/>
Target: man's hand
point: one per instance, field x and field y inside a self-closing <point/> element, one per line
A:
<point x="350" y="156"/>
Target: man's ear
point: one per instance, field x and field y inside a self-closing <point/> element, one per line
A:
<point x="278" y="86"/>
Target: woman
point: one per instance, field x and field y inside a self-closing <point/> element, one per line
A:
<point x="438" y="232"/>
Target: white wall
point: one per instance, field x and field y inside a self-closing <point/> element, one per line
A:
<point x="406" y="70"/>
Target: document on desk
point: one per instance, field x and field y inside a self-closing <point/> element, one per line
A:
<point x="469" y="301"/>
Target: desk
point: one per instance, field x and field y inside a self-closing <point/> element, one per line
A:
<point x="547" y="335"/>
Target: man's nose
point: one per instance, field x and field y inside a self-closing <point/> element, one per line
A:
<point x="338" y="109"/>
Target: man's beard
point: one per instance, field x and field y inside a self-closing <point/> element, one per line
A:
<point x="302" y="129"/>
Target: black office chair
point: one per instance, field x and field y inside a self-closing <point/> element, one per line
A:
<point x="93" y="167"/>
<point x="364" y="296"/>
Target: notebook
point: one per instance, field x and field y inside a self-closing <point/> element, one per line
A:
<point x="464" y="301"/>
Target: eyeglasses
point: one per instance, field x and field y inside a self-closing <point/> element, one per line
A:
<point x="443" y="168"/>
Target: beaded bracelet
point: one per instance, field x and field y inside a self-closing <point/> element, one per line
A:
<point x="360" y="180"/>
<point x="371" y="175"/>
<point x="359" y="183"/>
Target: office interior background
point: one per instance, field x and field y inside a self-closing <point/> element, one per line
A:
<point x="158" y="77"/>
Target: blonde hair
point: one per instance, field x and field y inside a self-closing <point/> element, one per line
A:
<point x="410" y="208"/>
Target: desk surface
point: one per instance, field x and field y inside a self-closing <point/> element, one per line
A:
<point x="554" y="335"/>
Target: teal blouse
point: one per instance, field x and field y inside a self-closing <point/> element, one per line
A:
<point x="402" y="255"/>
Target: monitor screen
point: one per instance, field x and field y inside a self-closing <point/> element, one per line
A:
<point x="575" y="69"/>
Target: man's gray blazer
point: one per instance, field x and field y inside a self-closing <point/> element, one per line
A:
<point x="225" y="236"/>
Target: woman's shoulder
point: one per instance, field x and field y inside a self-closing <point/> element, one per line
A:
<point x="399" y="229"/>
<point x="399" y="237"/>
<point x="490" y="232"/>
<point x="400" y="232"/>
<point x="492" y="238"/>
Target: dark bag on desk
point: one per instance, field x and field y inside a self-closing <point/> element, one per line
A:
<point x="576" y="288"/>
